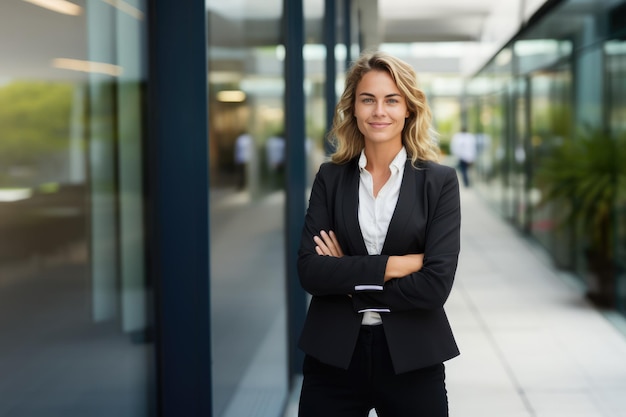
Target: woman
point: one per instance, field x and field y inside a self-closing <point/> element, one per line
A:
<point x="378" y="254"/>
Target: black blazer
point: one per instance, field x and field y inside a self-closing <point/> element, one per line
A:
<point x="426" y="220"/>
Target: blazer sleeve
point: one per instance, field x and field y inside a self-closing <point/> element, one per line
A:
<point x="430" y="287"/>
<point x="326" y="275"/>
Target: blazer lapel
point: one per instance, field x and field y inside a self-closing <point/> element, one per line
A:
<point x="402" y="212"/>
<point x="349" y="198"/>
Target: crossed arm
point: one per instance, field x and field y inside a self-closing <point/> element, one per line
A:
<point x="398" y="283"/>
<point x="397" y="266"/>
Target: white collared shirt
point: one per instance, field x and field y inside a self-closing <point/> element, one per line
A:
<point x="375" y="213"/>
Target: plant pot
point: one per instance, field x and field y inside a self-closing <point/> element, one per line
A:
<point x="600" y="279"/>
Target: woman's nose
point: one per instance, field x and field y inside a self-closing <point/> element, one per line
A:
<point x="379" y="109"/>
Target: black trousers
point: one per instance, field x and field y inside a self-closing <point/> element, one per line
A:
<point x="371" y="383"/>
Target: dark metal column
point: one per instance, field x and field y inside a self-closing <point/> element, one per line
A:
<point x="296" y="174"/>
<point x="330" y="40"/>
<point x="177" y="205"/>
<point x="347" y="31"/>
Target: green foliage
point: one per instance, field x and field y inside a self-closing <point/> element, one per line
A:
<point x="34" y="120"/>
<point x="445" y="147"/>
<point x="445" y="130"/>
<point x="448" y="126"/>
<point x="590" y="173"/>
<point x="553" y="120"/>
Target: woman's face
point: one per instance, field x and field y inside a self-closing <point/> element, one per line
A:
<point x="380" y="108"/>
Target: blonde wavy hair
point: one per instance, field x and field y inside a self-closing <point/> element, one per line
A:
<point x="418" y="136"/>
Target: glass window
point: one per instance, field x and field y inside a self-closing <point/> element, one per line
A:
<point x="74" y="319"/>
<point x="315" y="105"/>
<point x="491" y="115"/>
<point x="615" y="53"/>
<point x="520" y="171"/>
<point x="551" y="125"/>
<point x="534" y="54"/>
<point x="246" y="150"/>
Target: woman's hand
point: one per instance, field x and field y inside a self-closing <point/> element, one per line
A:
<point x="327" y="244"/>
<point x="401" y="266"/>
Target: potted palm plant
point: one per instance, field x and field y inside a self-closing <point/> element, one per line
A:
<point x="588" y="174"/>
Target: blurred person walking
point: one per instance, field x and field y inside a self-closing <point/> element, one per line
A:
<point x="243" y="154"/>
<point x="275" y="158"/>
<point x="463" y="147"/>
<point x="378" y="254"/>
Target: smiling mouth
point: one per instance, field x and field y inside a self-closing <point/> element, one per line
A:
<point x="379" y="125"/>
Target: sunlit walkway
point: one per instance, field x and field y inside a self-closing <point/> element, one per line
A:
<point x="530" y="344"/>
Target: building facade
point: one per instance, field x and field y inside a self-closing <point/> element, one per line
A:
<point x="154" y="167"/>
<point x="558" y="86"/>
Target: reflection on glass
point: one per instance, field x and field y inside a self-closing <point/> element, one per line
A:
<point x="316" y="144"/>
<point x="533" y="54"/>
<point x="73" y="317"/>
<point x="615" y="53"/>
<point x="246" y="149"/>
<point x="551" y="125"/>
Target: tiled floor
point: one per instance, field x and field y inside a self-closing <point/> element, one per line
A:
<point x="531" y="346"/>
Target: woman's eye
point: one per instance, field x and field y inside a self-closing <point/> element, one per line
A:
<point x="368" y="100"/>
<point x="392" y="101"/>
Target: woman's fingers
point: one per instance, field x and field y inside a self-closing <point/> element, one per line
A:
<point x="327" y="244"/>
<point x="321" y="247"/>
<point x="328" y="241"/>
<point x="333" y="238"/>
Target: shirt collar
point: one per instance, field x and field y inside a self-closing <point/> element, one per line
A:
<point x="396" y="165"/>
